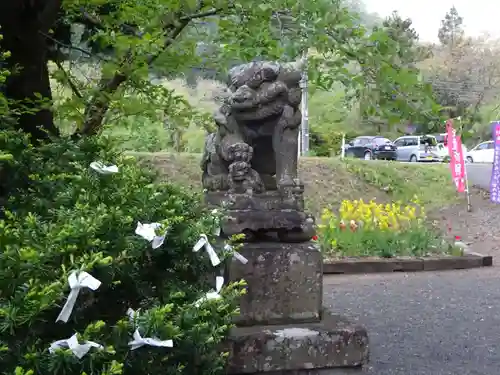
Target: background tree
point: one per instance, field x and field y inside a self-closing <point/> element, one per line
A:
<point x="451" y="31"/>
<point x="463" y="71"/>
<point x="165" y="38"/>
<point x="383" y="107"/>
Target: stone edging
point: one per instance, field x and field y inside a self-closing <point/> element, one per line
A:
<point x="356" y="266"/>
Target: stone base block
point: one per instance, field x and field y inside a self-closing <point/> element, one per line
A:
<point x="285" y="283"/>
<point x="331" y="346"/>
<point x="270" y="211"/>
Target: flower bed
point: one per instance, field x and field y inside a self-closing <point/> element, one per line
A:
<point x="370" y="229"/>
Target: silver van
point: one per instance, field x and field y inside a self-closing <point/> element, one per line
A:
<point x="416" y="148"/>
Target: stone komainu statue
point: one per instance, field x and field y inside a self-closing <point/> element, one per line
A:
<point x="250" y="163"/>
<point x="255" y="147"/>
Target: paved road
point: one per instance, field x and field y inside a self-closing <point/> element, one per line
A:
<point x="445" y="323"/>
<point x="480" y="175"/>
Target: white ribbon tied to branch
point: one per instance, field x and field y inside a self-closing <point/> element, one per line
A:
<point x="132" y="315"/>
<point x="219" y="282"/>
<point x="103" y="168"/>
<point x="203" y="242"/>
<point x="77" y="281"/>
<point x="148" y="232"/>
<point x="217" y="228"/>
<point x="139" y="341"/>
<point x="79" y="350"/>
<point x="236" y="255"/>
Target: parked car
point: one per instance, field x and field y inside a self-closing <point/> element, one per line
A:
<point x="371" y="147"/>
<point x="442" y="147"/>
<point x="416" y="148"/>
<point x="482" y="153"/>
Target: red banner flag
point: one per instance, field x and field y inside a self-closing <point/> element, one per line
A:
<point x="457" y="163"/>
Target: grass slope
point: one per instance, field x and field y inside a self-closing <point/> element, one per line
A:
<point x="329" y="180"/>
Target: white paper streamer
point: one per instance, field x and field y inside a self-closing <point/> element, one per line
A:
<point x="203" y="242"/>
<point x="217" y="229"/>
<point x="148" y="232"/>
<point x="139" y="341"/>
<point x="236" y="255"/>
<point x="219" y="282"/>
<point x="102" y="168"/>
<point x="77" y="281"/>
<point x="79" y="350"/>
<point x="132" y="315"/>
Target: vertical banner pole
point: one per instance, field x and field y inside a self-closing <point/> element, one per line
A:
<point x="342" y="151"/>
<point x="467" y="191"/>
<point x="299" y="148"/>
<point x="304" y="126"/>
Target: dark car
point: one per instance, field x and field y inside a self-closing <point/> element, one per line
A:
<point x="371" y="147"/>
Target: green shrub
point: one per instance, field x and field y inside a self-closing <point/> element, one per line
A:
<point x="61" y="216"/>
<point x="329" y="144"/>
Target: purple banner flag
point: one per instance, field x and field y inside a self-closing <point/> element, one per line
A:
<point x="495" y="172"/>
<point x="493" y="125"/>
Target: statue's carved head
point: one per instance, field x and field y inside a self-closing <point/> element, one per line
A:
<point x="261" y="90"/>
<point x="253" y="74"/>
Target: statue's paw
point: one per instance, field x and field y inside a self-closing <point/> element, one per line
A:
<point x="239" y="170"/>
<point x="240" y="152"/>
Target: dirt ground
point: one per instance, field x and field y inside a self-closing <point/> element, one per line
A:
<point x="478" y="228"/>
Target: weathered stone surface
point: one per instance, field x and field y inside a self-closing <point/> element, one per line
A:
<point x="269" y="200"/>
<point x="285" y="283"/>
<point x="264" y="213"/>
<point x="333" y="343"/>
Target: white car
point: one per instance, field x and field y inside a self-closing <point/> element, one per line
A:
<point x="442" y="151"/>
<point x="482" y="153"/>
<point x="442" y="146"/>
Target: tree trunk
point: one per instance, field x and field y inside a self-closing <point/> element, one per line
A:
<point x="23" y="24"/>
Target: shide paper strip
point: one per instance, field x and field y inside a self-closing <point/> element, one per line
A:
<point x="132" y="315"/>
<point x="148" y="232"/>
<point x="203" y="242"/>
<point x="217" y="229"/>
<point x="236" y="255"/>
<point x="79" y="350"/>
<point x="219" y="282"/>
<point x="139" y="341"/>
<point x="77" y="281"/>
<point x="102" y="168"/>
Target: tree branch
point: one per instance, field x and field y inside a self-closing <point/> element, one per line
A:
<point x="208" y="13"/>
<point x="99" y="105"/>
<point x="71" y="84"/>
<point x="71" y="47"/>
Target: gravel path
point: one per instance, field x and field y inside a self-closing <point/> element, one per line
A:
<point x="480" y="228"/>
<point x="479" y="174"/>
<point x="445" y="323"/>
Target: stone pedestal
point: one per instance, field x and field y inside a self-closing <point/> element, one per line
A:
<point x="282" y="328"/>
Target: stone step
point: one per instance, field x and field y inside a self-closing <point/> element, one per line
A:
<point x="333" y="344"/>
